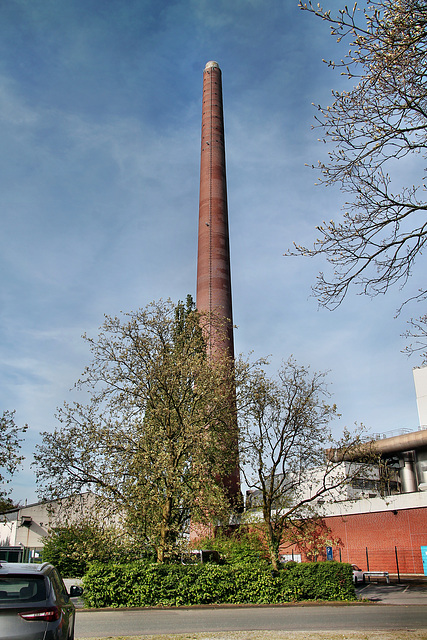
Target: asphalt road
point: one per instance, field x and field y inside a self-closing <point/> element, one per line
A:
<point x="103" y="624"/>
<point x="391" y="607"/>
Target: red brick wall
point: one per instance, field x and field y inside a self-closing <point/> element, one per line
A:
<point x="376" y="538"/>
<point x="382" y="534"/>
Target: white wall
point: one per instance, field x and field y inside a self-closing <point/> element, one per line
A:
<point x="420" y="380"/>
<point x="372" y="505"/>
<point x="44" y="515"/>
<point x="8" y="533"/>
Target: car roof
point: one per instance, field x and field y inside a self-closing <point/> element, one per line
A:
<point x="23" y="567"/>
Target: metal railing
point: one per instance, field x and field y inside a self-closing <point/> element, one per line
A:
<point x="383" y="435"/>
<point x="393" y="560"/>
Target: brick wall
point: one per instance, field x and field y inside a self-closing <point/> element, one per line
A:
<point x="377" y="538"/>
<point x="383" y="534"/>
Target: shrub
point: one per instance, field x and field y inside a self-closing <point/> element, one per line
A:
<point x="72" y="548"/>
<point x="241" y="546"/>
<point x="142" y="584"/>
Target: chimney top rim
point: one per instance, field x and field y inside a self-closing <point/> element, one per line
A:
<point x="212" y="65"/>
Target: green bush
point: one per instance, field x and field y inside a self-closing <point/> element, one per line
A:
<point x="239" y="547"/>
<point x="143" y="584"/>
<point x="72" y="548"/>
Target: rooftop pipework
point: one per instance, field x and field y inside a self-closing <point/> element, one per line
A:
<point x="409" y="448"/>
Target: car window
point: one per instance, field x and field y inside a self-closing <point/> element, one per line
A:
<point x="22" y="589"/>
<point x="59" y="586"/>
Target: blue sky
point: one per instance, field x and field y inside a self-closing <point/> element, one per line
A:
<point x="100" y="116"/>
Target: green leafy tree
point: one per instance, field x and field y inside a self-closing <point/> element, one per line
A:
<point x="151" y="441"/>
<point x="285" y="430"/>
<point x="377" y="128"/>
<point x="6" y="504"/>
<point x="10" y="456"/>
<point x="73" y="547"/>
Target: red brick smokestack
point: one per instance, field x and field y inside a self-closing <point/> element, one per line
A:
<point x="213" y="262"/>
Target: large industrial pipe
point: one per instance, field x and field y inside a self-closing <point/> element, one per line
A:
<point x="395" y="445"/>
<point x="407" y="475"/>
<point x="406" y="442"/>
<point x="421" y="467"/>
<point x="410" y="448"/>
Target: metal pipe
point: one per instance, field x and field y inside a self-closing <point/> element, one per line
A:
<point x="407" y="472"/>
<point x="405" y="442"/>
<point x="397" y="564"/>
<point x="397" y="444"/>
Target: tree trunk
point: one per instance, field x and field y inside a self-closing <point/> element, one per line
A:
<point x="160" y="554"/>
<point x="273" y="546"/>
<point x="164" y="529"/>
<point x="274" y="560"/>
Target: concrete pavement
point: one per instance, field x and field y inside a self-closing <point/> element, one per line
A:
<point x="409" y="591"/>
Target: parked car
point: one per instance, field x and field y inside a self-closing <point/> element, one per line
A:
<point x="195" y="556"/>
<point x="358" y="575"/>
<point x="34" y="603"/>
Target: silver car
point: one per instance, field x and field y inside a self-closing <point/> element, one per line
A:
<point x="358" y="575"/>
<point x="34" y="603"/>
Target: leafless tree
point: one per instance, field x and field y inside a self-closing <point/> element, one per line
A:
<point x="376" y="127"/>
<point x="285" y="429"/>
<point x="417" y="333"/>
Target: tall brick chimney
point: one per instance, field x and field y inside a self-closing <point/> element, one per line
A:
<point x="213" y="262"/>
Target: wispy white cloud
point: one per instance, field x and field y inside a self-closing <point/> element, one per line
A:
<point x="100" y="122"/>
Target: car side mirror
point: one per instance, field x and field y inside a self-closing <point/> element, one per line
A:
<point x="76" y="592"/>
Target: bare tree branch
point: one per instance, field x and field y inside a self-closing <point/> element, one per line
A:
<point x="284" y="433"/>
<point x="373" y="127"/>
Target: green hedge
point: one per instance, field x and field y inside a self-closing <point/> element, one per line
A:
<point x="142" y="584"/>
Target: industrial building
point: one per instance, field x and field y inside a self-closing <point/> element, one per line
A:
<point x="386" y="530"/>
